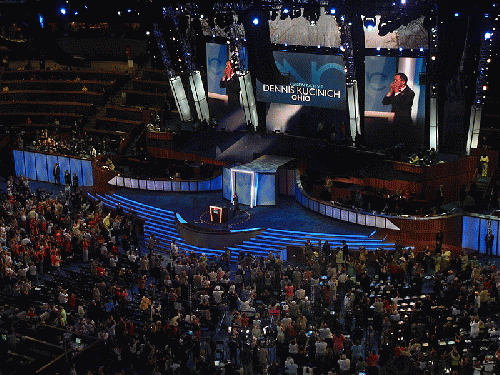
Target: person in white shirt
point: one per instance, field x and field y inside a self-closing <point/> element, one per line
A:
<point x="63" y="297"/>
<point x="344" y="364"/>
<point x="217" y="294"/>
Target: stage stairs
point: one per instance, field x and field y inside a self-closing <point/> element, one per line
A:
<point x="161" y="224"/>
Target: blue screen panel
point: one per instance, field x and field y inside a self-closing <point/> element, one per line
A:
<point x="176" y="186"/>
<point x="484" y="232"/>
<point x="41" y="167"/>
<point x="204" y="185"/>
<point x="87" y="177"/>
<point x="29" y="159"/>
<point x="266" y="189"/>
<point x="185" y="185"/>
<point x="216" y="183"/>
<point x="76" y="167"/>
<point x="143" y="184"/>
<point x="226" y="186"/>
<point x="51" y="162"/>
<point x="19" y="166"/>
<point x="65" y="166"/>
<point x="243" y="187"/>
<point x="470" y="229"/>
<point x="167" y="185"/>
<point x="134" y="183"/>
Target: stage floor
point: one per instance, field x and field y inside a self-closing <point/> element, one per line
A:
<point x="287" y="214"/>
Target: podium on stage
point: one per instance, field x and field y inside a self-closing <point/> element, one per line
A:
<point x="218" y="214"/>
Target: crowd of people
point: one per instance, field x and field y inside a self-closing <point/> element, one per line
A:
<point x="346" y="311"/>
<point x="72" y="142"/>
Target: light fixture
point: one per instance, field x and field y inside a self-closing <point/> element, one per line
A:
<point x="370" y="23"/>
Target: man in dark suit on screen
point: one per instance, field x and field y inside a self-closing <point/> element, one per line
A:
<point x="400" y="97"/>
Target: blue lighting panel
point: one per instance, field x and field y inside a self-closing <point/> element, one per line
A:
<point x="336" y="213"/>
<point x="362" y="219"/>
<point x="185" y="185"/>
<point x="76" y="167"/>
<point x="176" y="186"/>
<point x="484" y="232"/>
<point x="322" y="209"/>
<point x="142" y="184"/>
<point x="151" y="185"/>
<point x="134" y="183"/>
<point x="380" y="222"/>
<point x="127" y="182"/>
<point x="193" y="186"/>
<point x="470" y="230"/>
<point x="266" y="193"/>
<point x="370" y="221"/>
<point x="64" y="165"/>
<point x="216" y="183"/>
<point x="29" y="159"/>
<point x="167" y="185"/>
<point x="352" y="217"/>
<point x="243" y="187"/>
<point x="51" y="162"/>
<point x="87" y="176"/>
<point x="329" y="211"/>
<point x="19" y="166"/>
<point x="226" y="183"/>
<point x="41" y="167"/>
<point x="204" y="185"/>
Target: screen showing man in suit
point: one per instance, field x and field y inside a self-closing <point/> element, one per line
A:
<point x="400" y="98"/>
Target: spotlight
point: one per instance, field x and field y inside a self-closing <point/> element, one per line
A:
<point x="63" y="10"/>
<point x="487" y="36"/>
<point x="255" y="21"/>
<point x="370" y="23"/>
<point x="284" y="13"/>
<point x="332" y="11"/>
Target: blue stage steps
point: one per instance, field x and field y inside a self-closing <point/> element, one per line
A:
<point x="161" y="224"/>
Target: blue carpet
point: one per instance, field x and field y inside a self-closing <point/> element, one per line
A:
<point x="287" y="214"/>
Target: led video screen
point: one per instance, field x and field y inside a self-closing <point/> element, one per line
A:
<point x="394" y="117"/>
<point x="314" y="103"/>
<point x="316" y="81"/>
<point x="223" y="89"/>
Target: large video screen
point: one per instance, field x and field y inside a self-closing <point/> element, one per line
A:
<point x="390" y="33"/>
<point x="315" y="81"/>
<point x="224" y="94"/>
<point x="314" y="103"/>
<point x="394" y="117"/>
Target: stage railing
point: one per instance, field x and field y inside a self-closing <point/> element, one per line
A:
<point x="352" y="215"/>
<point x="168" y="185"/>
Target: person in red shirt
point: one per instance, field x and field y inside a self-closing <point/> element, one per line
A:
<point x="372" y="363"/>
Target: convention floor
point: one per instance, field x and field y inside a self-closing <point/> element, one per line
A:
<point x="193" y="207"/>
